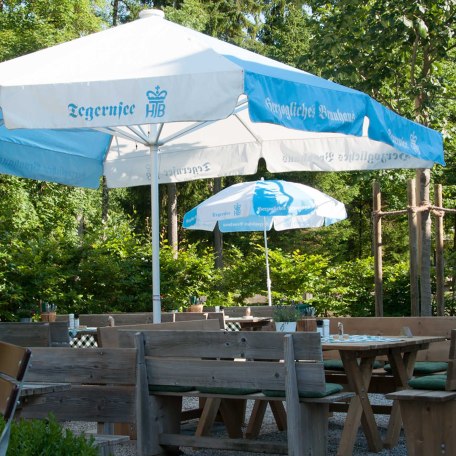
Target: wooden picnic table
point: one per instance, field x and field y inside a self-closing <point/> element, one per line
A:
<point x="358" y="354"/>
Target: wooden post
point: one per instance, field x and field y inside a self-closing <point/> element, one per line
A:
<point x="413" y="249"/>
<point x="425" y="257"/>
<point x="439" y="266"/>
<point x="378" y="266"/>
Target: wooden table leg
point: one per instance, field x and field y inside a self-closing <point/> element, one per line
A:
<point x="360" y="409"/>
<point x="280" y="415"/>
<point x="256" y="419"/>
<point x="210" y="410"/>
<point x="402" y="369"/>
<point x="233" y="413"/>
<point x="257" y="416"/>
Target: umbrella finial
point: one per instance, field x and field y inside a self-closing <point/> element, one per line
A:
<point x="151" y="12"/>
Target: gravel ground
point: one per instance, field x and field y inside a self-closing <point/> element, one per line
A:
<point x="269" y="432"/>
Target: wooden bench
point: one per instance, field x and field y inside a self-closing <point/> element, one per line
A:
<point x="103" y="387"/>
<point x="228" y="368"/>
<point x="429" y="415"/>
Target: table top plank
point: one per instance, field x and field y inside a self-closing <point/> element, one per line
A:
<point x="379" y="344"/>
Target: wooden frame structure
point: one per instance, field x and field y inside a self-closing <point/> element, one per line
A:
<point x="420" y="297"/>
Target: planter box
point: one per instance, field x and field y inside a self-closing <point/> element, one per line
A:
<point x="285" y="326"/>
<point x="48" y="316"/>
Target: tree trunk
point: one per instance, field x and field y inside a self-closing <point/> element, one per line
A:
<point x="453" y="272"/>
<point x="218" y="237"/>
<point x="425" y="282"/>
<point x="413" y="250"/>
<point x="104" y="201"/>
<point x="439" y="266"/>
<point x="115" y="11"/>
<point x="172" y="218"/>
<point x="378" y="265"/>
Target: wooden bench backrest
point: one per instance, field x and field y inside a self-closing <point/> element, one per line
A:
<point x="60" y="336"/>
<point x="451" y="371"/>
<point x="212" y="358"/>
<point x="120" y="319"/>
<point x="187" y="316"/>
<point x="26" y="334"/>
<point x="108" y="336"/>
<point x="13" y="365"/>
<point x="219" y="316"/>
<point x="392" y="326"/>
<point x="256" y="311"/>
<point x="103" y="383"/>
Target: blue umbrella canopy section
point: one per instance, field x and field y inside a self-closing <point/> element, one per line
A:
<point x="263" y="205"/>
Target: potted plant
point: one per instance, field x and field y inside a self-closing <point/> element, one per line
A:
<point x="285" y="318"/>
<point x="48" y="312"/>
<point x="196" y="304"/>
<point x="25" y="313"/>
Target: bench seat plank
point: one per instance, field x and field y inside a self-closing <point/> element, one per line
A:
<point x="218" y="443"/>
<point x="428" y="395"/>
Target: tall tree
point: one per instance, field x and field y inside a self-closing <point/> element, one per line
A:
<point x="26" y="26"/>
<point x="394" y="51"/>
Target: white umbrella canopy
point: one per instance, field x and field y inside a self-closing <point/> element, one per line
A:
<point x="262" y="205"/>
<point x="233" y="146"/>
<point x="151" y="101"/>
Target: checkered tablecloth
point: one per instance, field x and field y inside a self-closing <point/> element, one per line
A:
<point x="82" y="339"/>
<point x="232" y="326"/>
<point x="353" y="338"/>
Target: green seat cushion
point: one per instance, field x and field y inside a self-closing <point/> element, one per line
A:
<point x="336" y="364"/>
<point x="429" y="382"/>
<point x="231" y="391"/>
<point x="333" y="364"/>
<point x="331" y="388"/>
<point x="425" y="367"/>
<point x="169" y="389"/>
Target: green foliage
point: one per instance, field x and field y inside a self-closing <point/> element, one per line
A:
<point x="46" y="437"/>
<point x="29" y="26"/>
<point x="285" y="313"/>
<point x="112" y="271"/>
<point x="191" y="14"/>
<point x="346" y="289"/>
<point x="192" y="273"/>
<point x="285" y="32"/>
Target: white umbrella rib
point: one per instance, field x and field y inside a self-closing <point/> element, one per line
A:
<point x="121" y="133"/>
